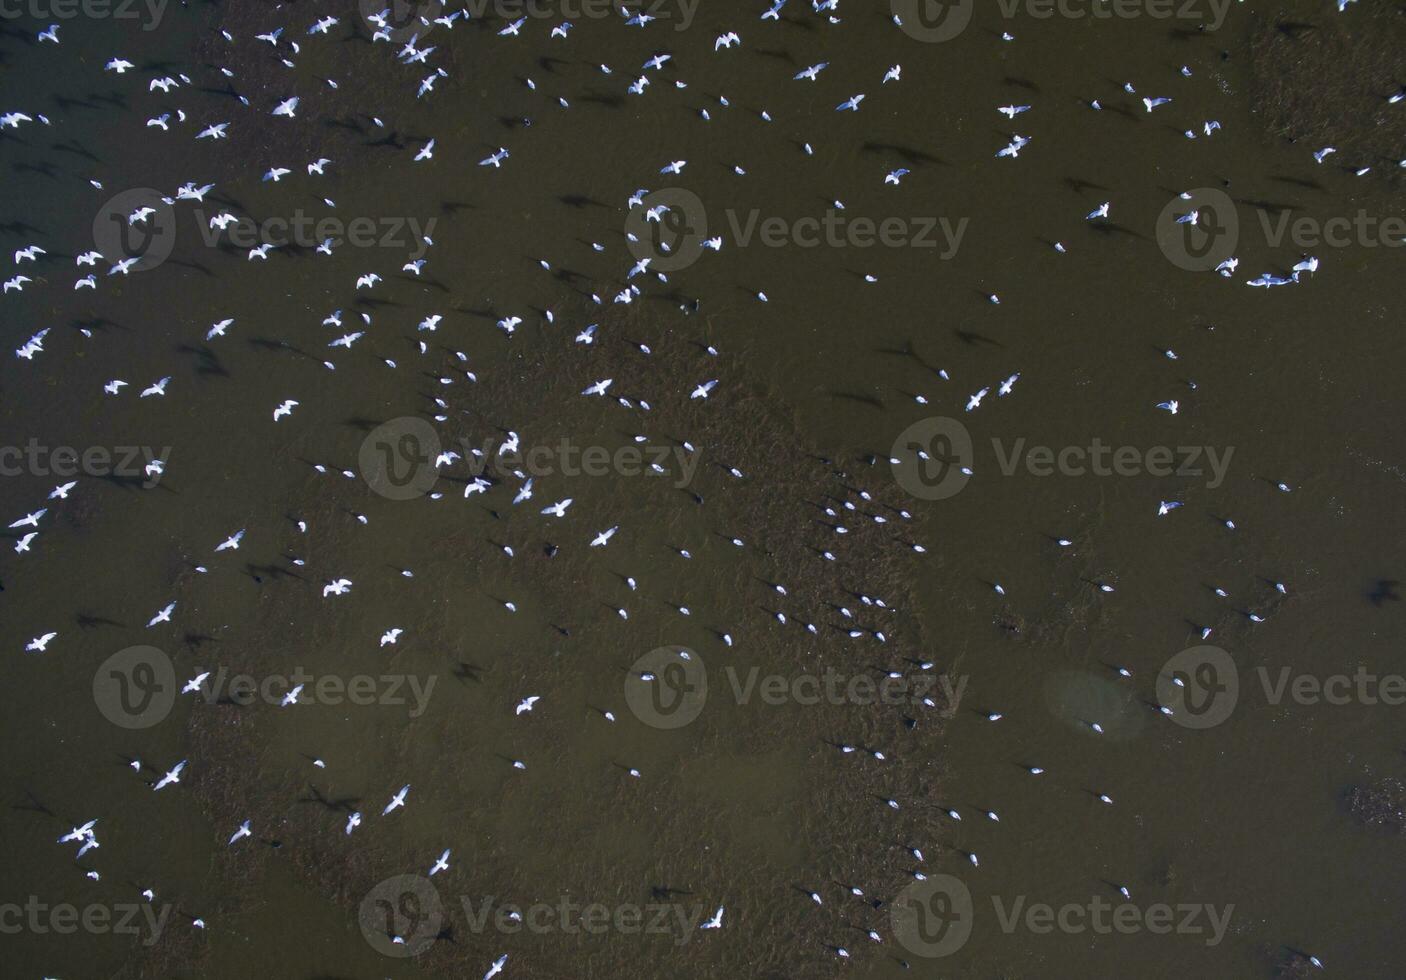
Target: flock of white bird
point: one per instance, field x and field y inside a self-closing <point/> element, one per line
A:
<point x="266" y="109"/>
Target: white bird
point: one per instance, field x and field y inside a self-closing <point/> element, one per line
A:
<point x="119" y="65"/>
<point x="497" y="967"/>
<point x="426" y="152"/>
<point x="31" y="519"/>
<point x="193" y="685"/>
<point x="286" y="408"/>
<point x="812" y="73"/>
<point x="598" y="388"/>
<point x="163" y="615"/>
<point x="60" y="492"/>
<point x="337" y="587"/>
<point x="604" y="536"/>
<point x="716" y="921"/>
<point x="174" y="776"/>
<point x="243" y="831"/>
<point x="397" y="800"/>
<point x="702" y="390"/>
<point x="353" y="821"/>
<point x="292" y="696"/>
<point x="231" y="542"/>
<point x="38" y="644"/>
<point x="558" y="509"/>
<point x="440" y="865"/>
<point x="218" y="329"/>
<point x="159" y="388"/>
<point x="79" y="833"/>
<point x="526" y="704"/>
<point x="391" y="635"/>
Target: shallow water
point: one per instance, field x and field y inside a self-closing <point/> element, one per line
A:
<point x="750" y="805"/>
